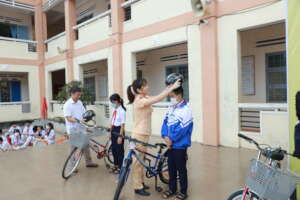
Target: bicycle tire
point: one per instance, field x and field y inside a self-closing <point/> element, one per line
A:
<point x="122" y="178"/>
<point x="65" y="174"/>
<point x="163" y="169"/>
<point x="239" y="194"/>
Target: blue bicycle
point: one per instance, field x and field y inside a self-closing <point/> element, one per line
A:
<point x="159" y="168"/>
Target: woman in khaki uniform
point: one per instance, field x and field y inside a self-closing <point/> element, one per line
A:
<point x="142" y="110"/>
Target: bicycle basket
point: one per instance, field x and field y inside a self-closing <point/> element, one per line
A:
<point x="269" y="182"/>
<point x="78" y="138"/>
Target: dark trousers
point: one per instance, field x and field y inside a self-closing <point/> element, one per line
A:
<point x="177" y="166"/>
<point x="117" y="149"/>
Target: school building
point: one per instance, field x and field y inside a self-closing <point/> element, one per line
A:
<point x="233" y="59"/>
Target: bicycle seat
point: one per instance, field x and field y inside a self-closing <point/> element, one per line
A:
<point x="161" y="145"/>
<point x="275" y="154"/>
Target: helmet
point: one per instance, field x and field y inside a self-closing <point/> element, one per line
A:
<point x="88" y="115"/>
<point x="172" y="78"/>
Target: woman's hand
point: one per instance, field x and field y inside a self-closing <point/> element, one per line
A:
<point x="120" y="140"/>
<point x="176" y="85"/>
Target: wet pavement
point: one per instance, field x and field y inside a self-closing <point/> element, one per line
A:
<point x="35" y="174"/>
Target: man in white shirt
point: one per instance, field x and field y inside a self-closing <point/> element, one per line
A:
<point x="73" y="111"/>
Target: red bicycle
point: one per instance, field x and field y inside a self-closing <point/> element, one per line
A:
<point x="79" y="139"/>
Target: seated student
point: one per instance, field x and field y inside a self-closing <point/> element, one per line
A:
<point x="41" y="132"/>
<point x="177" y="131"/>
<point x="16" y="138"/>
<point x="29" y="139"/>
<point x="4" y="145"/>
<point x="27" y="130"/>
<point x="50" y="134"/>
<point x="13" y="128"/>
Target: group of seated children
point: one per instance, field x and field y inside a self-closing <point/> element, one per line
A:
<point x="17" y="138"/>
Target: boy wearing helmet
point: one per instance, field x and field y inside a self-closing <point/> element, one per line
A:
<point x="73" y="113"/>
<point x="177" y="131"/>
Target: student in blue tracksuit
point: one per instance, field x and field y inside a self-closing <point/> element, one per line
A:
<point x="177" y="131"/>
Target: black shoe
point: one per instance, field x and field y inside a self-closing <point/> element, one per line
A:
<point x="142" y="192"/>
<point x="145" y="187"/>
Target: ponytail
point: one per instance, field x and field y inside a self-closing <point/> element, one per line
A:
<point x="132" y="90"/>
<point x="122" y="104"/>
<point x="116" y="97"/>
<point x="130" y="94"/>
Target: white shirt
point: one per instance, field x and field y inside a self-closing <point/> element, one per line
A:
<point x="51" y="137"/>
<point x="12" y="129"/>
<point x="74" y="110"/>
<point x="119" y="118"/>
<point x="28" y="130"/>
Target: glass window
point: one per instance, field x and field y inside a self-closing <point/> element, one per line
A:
<point x="276" y="77"/>
<point x="89" y="83"/>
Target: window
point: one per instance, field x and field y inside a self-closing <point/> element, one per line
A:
<point x="89" y="84"/>
<point x="182" y="69"/>
<point x="127" y="13"/>
<point x="276" y="77"/>
<point x="14" y="31"/>
<point x="10" y="91"/>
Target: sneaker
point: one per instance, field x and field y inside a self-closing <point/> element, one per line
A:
<point x="142" y="192"/>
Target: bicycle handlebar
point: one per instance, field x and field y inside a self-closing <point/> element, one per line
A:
<point x="273" y="153"/>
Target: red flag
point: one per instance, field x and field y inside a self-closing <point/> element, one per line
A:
<point x="44" y="108"/>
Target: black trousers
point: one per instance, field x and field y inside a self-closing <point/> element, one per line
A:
<point x="177" y="159"/>
<point x="117" y="149"/>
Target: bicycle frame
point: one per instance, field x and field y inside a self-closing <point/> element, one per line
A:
<point x="96" y="149"/>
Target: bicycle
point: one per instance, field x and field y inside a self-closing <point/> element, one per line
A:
<point x="266" y="180"/>
<point x="80" y="140"/>
<point x="159" y="168"/>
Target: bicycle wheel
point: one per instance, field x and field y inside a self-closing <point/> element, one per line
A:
<point x="238" y="195"/>
<point x="72" y="162"/>
<point x="122" y="178"/>
<point x="109" y="155"/>
<point x="163" y="169"/>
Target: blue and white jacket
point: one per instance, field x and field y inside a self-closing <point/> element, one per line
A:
<point x="178" y="126"/>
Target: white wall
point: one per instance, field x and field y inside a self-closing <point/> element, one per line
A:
<point x="148" y="12"/>
<point x="12" y="49"/>
<point x="248" y="48"/>
<point x="229" y="62"/>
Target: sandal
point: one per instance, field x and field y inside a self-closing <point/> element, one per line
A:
<point x="167" y="194"/>
<point x="112" y="170"/>
<point x="116" y="171"/>
<point x="181" y="196"/>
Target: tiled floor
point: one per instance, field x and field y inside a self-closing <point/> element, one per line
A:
<point x="35" y="174"/>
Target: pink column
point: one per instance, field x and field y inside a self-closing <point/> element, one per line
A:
<point x="209" y="42"/>
<point x="70" y="21"/>
<point x="117" y="15"/>
<point x="39" y="36"/>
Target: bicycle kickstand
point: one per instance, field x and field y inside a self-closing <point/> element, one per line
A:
<point x="157" y="188"/>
